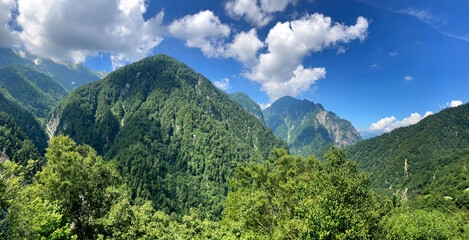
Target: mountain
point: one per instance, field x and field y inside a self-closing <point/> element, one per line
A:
<point x="409" y="159"/>
<point x="25" y="121"/>
<point x="14" y="143"/>
<point x="245" y="102"/>
<point x="68" y="75"/>
<point x="174" y="136"/>
<point x="8" y="56"/>
<point x="33" y="90"/>
<point x="307" y="127"/>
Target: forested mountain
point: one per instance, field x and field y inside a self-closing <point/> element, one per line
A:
<point x="307" y="127"/>
<point x="25" y="121"/>
<point x="174" y="136"/>
<point x="245" y="102"/>
<point x="414" y="160"/>
<point x="33" y="90"/>
<point x="68" y="75"/>
<point x="14" y="144"/>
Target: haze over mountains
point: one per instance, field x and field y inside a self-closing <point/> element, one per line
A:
<point x="68" y="75"/>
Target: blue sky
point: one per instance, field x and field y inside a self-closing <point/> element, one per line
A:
<point x="379" y="65"/>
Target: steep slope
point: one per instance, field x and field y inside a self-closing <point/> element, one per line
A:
<point x="307" y="127"/>
<point x="26" y="122"/>
<point x="68" y="75"/>
<point x="175" y="137"/>
<point x="8" y="56"/>
<point x="245" y="102"/>
<point x="14" y="144"/>
<point x="33" y="90"/>
<point x="411" y="157"/>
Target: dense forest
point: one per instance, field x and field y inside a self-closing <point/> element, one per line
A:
<point x="174" y="137"/>
<point x="415" y="156"/>
<point x="156" y="151"/>
<point x="78" y="195"/>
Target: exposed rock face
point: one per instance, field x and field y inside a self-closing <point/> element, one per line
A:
<point x="307" y="127"/>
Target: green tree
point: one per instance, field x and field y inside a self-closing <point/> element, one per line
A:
<point x="73" y="191"/>
<point x="292" y="197"/>
<point x="419" y="224"/>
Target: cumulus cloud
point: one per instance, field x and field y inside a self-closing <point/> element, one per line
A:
<point x="202" y="30"/>
<point x="454" y="103"/>
<point x="257" y="12"/>
<point x="388" y="124"/>
<point x="244" y="47"/>
<point x="280" y="71"/>
<point x="75" y="29"/>
<point x="7" y="35"/>
<point x="223" y="84"/>
<point x="408" y="78"/>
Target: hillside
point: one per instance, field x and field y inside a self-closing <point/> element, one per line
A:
<point x="68" y="75"/>
<point x="14" y="144"/>
<point x="412" y="157"/>
<point x="174" y="136"/>
<point x="307" y="127"/>
<point x="245" y="102"/>
<point x="33" y="90"/>
<point x="25" y="121"/>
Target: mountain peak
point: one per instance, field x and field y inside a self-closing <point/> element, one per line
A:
<point x="307" y="127"/>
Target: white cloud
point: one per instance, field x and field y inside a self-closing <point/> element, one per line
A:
<point x="75" y="29"/>
<point x="454" y="103"/>
<point x="7" y="35"/>
<point x="223" y="84"/>
<point x="408" y="78"/>
<point x="202" y="30"/>
<point x="257" y="12"/>
<point x="388" y="124"/>
<point x="393" y="53"/>
<point x="374" y="65"/>
<point x="340" y="50"/>
<point x="244" y="47"/>
<point x="280" y="71"/>
<point x="264" y="105"/>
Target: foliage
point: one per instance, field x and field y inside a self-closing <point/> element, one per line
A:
<point x="307" y="127"/>
<point x="420" y="224"/>
<point x="175" y="138"/>
<point x="73" y="191"/>
<point x="294" y="198"/>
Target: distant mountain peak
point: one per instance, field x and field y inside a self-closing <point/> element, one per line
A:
<point x="307" y="127"/>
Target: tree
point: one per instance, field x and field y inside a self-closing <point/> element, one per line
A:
<point x="291" y="197"/>
<point x="73" y="191"/>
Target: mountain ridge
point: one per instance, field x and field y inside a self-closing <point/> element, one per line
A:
<point x="307" y="127"/>
<point x="170" y="131"/>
